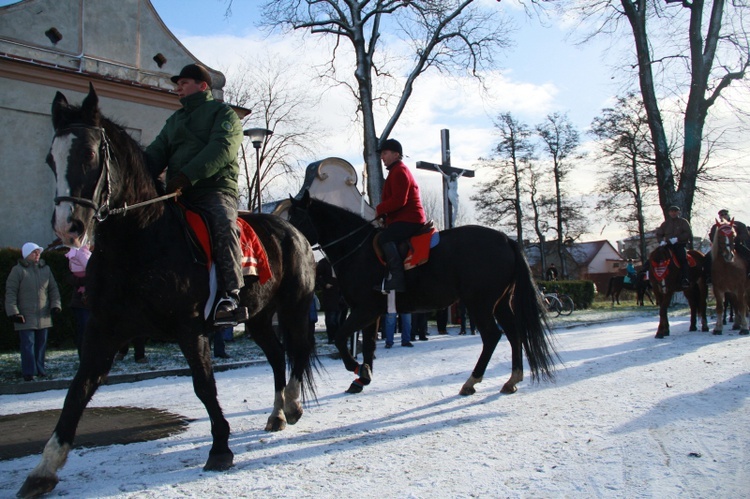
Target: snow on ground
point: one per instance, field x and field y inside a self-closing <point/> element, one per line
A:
<point x="629" y="416"/>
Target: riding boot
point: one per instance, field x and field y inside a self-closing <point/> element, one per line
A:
<point x="228" y="310"/>
<point x="395" y="281"/>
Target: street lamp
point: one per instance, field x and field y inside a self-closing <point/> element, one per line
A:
<point x="257" y="136"/>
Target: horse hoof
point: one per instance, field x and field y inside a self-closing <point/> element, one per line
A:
<point x="736" y="327"/>
<point x="293" y="416"/>
<point x="219" y="462"/>
<point x="275" y="424"/>
<point x="365" y="374"/>
<point x="467" y="391"/>
<point x="35" y="486"/>
<point x="354" y="388"/>
<point x="509" y="389"/>
<point x="744" y="332"/>
<point x="659" y="336"/>
<point x="717" y="332"/>
<point x="693" y="328"/>
<point x="705" y="329"/>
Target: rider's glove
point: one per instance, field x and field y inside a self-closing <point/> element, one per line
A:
<point x="663" y="243"/>
<point x="673" y="240"/>
<point x="178" y="184"/>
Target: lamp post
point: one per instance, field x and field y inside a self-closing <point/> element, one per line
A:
<point x="257" y="136"/>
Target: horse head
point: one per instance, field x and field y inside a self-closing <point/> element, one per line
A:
<point x="723" y="243"/>
<point x="299" y="216"/>
<point x="79" y="157"/>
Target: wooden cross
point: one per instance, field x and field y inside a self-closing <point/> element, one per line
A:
<point x="450" y="179"/>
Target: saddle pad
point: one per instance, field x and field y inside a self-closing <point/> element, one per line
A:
<point x="254" y="257"/>
<point x="419" y="252"/>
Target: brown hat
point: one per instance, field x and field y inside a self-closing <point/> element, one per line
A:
<point x="194" y="71"/>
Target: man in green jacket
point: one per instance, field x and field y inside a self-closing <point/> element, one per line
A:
<point x="198" y="146"/>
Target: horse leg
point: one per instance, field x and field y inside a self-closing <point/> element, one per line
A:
<point x="267" y="340"/>
<point x="742" y="312"/>
<point x="490" y="334"/>
<point x="663" y="329"/>
<point x="97" y="357"/>
<point x="364" y="370"/>
<point x="358" y="320"/>
<point x="197" y="352"/>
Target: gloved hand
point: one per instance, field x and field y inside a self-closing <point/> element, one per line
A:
<point x="55" y="311"/>
<point x="673" y="240"/>
<point x="18" y="318"/>
<point x="663" y="243"/>
<point x="177" y="184"/>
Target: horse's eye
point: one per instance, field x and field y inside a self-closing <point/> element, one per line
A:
<point x="90" y="155"/>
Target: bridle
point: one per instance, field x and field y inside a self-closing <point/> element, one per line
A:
<point x="322" y="247"/>
<point x="103" y="189"/>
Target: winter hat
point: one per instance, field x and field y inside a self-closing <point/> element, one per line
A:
<point x="28" y="248"/>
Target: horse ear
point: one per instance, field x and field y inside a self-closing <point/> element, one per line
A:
<point x="59" y="105"/>
<point x="306" y="198"/>
<point x="90" y="107"/>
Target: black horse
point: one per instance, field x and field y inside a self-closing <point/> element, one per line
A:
<point x="143" y="280"/>
<point x="664" y="274"/>
<point x="480" y="266"/>
<point x="642" y="288"/>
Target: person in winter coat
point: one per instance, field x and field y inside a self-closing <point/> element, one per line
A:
<point x="31" y="298"/>
<point x="677" y="231"/>
<point x="198" y="147"/>
<point x="401" y="206"/>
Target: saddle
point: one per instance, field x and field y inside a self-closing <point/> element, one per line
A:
<point x="254" y="260"/>
<point x="414" y="251"/>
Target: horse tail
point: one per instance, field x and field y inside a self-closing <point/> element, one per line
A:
<point x="530" y="320"/>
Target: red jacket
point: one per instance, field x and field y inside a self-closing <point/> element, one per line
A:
<point x="400" y="201"/>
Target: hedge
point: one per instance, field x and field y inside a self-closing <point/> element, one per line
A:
<point x="63" y="332"/>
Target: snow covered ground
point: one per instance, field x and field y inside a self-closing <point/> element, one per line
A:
<point x="629" y="416"/>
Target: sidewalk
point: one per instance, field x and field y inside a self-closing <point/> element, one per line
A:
<point x="166" y="359"/>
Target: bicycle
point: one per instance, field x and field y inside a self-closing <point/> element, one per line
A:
<point x="561" y="304"/>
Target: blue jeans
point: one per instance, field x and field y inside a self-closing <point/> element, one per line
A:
<point x="390" y="328"/>
<point x="33" y="351"/>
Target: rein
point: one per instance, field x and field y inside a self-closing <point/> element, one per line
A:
<point x="322" y="247"/>
<point x="102" y="210"/>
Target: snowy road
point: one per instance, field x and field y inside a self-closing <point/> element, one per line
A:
<point x="629" y="416"/>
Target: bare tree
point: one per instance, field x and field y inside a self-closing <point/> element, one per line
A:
<point x="500" y="200"/>
<point x="446" y="35"/>
<point x="688" y="52"/>
<point x="281" y="104"/>
<point x="560" y="141"/>
<point x="628" y="182"/>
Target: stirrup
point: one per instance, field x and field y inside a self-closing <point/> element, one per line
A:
<point x="233" y="313"/>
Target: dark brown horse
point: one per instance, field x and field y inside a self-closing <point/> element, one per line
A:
<point x="641" y="286"/>
<point x="144" y="280"/>
<point x="664" y="275"/>
<point x="482" y="267"/>
<point x="729" y="275"/>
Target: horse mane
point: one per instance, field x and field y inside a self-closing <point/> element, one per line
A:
<point x="128" y="156"/>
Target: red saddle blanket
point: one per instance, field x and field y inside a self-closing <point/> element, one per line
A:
<point x="254" y="258"/>
<point x="661" y="269"/>
<point x="419" y="249"/>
